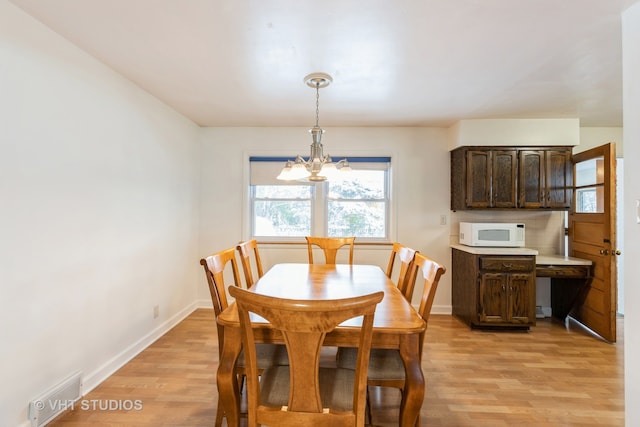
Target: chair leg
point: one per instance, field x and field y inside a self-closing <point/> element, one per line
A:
<point x="368" y="413"/>
<point x="219" y="414"/>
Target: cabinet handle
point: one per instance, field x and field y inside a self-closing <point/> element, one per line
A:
<point x="604" y="251"/>
<point x="505" y="265"/>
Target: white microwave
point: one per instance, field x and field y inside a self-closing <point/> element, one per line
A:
<point x="492" y="234"/>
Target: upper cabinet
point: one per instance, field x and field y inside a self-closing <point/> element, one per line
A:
<point x="492" y="178"/>
<point x="545" y="179"/>
<point x="511" y="178"/>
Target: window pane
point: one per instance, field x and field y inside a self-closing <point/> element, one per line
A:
<point x="283" y="191"/>
<point x="590" y="172"/>
<point x="361" y="219"/>
<point x="361" y="184"/>
<point x="282" y="218"/>
<point x="590" y="200"/>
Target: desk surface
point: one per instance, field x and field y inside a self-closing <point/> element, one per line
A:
<point x="560" y="260"/>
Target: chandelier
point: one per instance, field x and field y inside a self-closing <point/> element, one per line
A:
<point x="319" y="167"/>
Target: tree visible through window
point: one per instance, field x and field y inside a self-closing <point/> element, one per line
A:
<point x="358" y="206"/>
<point x="282" y="210"/>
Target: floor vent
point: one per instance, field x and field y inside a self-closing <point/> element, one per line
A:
<point x="55" y="401"/>
<point x="542" y="312"/>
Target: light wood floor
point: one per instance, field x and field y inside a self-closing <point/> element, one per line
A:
<point x="554" y="375"/>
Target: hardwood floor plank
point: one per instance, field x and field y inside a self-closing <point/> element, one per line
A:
<point x="554" y="375"/>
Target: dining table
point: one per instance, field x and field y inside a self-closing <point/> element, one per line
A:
<point x="397" y="325"/>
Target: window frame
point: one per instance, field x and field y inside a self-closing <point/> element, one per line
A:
<point x="320" y="199"/>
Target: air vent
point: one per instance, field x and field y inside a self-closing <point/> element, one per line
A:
<point x="55" y="401"/>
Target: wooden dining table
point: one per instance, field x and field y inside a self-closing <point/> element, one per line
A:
<point x="397" y="325"/>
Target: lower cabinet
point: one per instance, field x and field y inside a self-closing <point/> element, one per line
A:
<point x="494" y="290"/>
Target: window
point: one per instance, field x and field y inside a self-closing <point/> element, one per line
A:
<point x="589" y="191"/>
<point x="286" y="210"/>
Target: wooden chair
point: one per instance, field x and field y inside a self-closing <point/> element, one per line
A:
<point x="214" y="268"/>
<point x="303" y="393"/>
<point x="330" y="247"/>
<point x="245" y="249"/>
<point x="405" y="257"/>
<point x="386" y="368"/>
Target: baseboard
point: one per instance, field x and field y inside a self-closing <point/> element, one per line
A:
<point x="93" y="379"/>
<point x="204" y="303"/>
<point x="439" y="309"/>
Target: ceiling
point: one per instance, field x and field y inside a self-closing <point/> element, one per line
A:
<point x="394" y="63"/>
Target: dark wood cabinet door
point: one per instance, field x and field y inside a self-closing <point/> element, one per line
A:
<point x="558" y="179"/>
<point x="520" y="298"/>
<point x="493" y="298"/>
<point x="531" y="179"/>
<point x="545" y="179"/>
<point x="503" y="178"/>
<point x="478" y="178"/>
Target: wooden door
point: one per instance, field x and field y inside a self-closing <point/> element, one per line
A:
<point x="503" y="178"/>
<point x="531" y="180"/>
<point x="558" y="178"/>
<point x="493" y="298"/>
<point x="478" y="178"/>
<point x="521" y="298"/>
<point x="592" y="236"/>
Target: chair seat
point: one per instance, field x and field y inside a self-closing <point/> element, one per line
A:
<point x="336" y="387"/>
<point x="267" y="355"/>
<point x="384" y="364"/>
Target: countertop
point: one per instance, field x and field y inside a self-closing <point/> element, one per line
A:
<point x="560" y="260"/>
<point x="480" y="250"/>
<point x="551" y="260"/>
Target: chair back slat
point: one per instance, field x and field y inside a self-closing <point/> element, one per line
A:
<point x="246" y="249"/>
<point x="303" y="325"/>
<point x="405" y="256"/>
<point x="430" y="272"/>
<point x="330" y="247"/>
<point x="214" y="268"/>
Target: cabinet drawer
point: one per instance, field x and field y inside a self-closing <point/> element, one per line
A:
<point x="507" y="263"/>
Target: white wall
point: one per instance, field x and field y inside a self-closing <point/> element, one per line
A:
<point x="631" y="108"/>
<point x="99" y="188"/>
<point x="420" y="174"/>
<point x="592" y="137"/>
<point x="515" y="132"/>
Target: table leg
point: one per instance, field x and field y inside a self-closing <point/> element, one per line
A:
<point x="227" y="383"/>
<point x="414" y="384"/>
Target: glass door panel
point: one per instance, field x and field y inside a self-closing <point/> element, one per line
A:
<point x="589" y="193"/>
